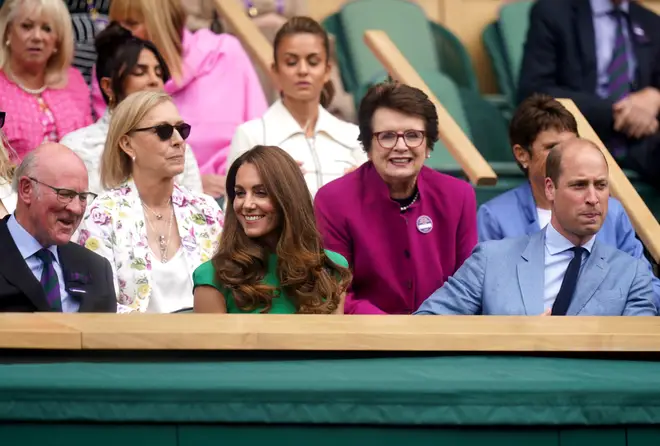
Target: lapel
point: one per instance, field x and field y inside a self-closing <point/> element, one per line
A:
<point x="77" y="280"/>
<point x="592" y="275"/>
<point x="528" y="207"/>
<point x="531" y="274"/>
<point x="15" y="270"/>
<point x="132" y="218"/>
<point x="186" y="214"/>
<point x="641" y="45"/>
<point x="586" y="41"/>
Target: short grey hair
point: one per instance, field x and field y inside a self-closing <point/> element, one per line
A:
<point x="25" y="169"/>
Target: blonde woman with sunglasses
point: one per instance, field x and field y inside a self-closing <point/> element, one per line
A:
<point x="153" y="232"/>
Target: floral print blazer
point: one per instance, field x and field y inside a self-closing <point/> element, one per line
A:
<point x="114" y="227"/>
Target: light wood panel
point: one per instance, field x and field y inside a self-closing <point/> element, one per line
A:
<point x="25" y="330"/>
<point x="458" y="144"/>
<point x="645" y="224"/>
<point x="247" y="32"/>
<point x="361" y="333"/>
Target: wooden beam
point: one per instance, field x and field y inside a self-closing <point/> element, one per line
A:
<point x="459" y="145"/>
<point x="29" y="331"/>
<point x="356" y="333"/>
<point x="253" y="40"/>
<point x="645" y="224"/>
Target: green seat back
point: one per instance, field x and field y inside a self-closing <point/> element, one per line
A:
<point x="405" y="24"/>
<point x="332" y="25"/>
<point x="513" y="25"/>
<point x="453" y="58"/>
<point x="492" y="41"/>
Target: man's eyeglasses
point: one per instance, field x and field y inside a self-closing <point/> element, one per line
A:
<point x="165" y="131"/>
<point x="2" y="118"/>
<point x="66" y="196"/>
<point x="389" y="138"/>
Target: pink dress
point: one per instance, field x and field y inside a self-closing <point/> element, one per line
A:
<point x="219" y="91"/>
<point x="35" y="119"/>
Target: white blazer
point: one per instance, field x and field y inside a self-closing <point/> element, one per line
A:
<point x="326" y="156"/>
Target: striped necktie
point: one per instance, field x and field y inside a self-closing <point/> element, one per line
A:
<point x="49" y="281"/>
<point x="618" y="68"/>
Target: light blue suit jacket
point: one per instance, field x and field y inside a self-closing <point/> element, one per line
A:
<point x="513" y="214"/>
<point x="506" y="277"/>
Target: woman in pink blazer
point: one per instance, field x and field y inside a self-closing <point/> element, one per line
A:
<point x="43" y="96"/>
<point x="213" y="85"/>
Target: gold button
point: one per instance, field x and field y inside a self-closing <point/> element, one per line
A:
<point x="252" y="11"/>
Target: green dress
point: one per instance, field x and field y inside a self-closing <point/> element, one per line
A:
<point x="204" y="275"/>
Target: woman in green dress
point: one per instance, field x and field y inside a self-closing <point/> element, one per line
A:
<point x="271" y="258"/>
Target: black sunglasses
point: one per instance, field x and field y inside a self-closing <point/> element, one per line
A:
<point x="165" y="131"/>
<point x="2" y="118"/>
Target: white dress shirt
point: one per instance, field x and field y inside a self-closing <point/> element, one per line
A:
<point x="557" y="258"/>
<point x="89" y="142"/>
<point x="543" y="217"/>
<point x="325" y="156"/>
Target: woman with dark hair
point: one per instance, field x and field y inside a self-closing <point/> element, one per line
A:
<point x="125" y="64"/>
<point x="324" y="146"/>
<point x="403" y="227"/>
<point x="271" y="258"/>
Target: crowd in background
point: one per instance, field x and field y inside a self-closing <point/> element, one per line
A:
<point x="146" y="165"/>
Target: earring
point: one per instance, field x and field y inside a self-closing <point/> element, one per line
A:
<point x="133" y="158"/>
<point x="7" y="42"/>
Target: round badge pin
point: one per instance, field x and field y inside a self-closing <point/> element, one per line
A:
<point x="424" y="224"/>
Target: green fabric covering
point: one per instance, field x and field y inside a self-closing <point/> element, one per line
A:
<point x="414" y="39"/>
<point x="513" y="25"/>
<point x="288" y="435"/>
<point x="456" y="391"/>
<point x="204" y="275"/>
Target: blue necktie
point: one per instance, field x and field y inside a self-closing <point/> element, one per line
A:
<point x="618" y="69"/>
<point x="49" y="281"/>
<point x="569" y="283"/>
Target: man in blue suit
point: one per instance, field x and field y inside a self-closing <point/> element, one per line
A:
<point x="561" y="270"/>
<point x="539" y="124"/>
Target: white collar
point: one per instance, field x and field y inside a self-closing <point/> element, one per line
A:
<point x="280" y="126"/>
<point x="556" y="243"/>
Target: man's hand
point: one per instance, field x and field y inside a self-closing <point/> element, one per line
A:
<point x="214" y="185"/>
<point x="547" y="312"/>
<point x="636" y="114"/>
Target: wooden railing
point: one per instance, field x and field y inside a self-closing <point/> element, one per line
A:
<point x="254" y="42"/>
<point x="329" y="333"/>
<point x="643" y="221"/>
<point x="458" y="144"/>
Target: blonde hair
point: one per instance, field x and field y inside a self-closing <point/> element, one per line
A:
<point x="59" y="62"/>
<point x="7" y="155"/>
<point x="116" y="165"/>
<point x="164" y="21"/>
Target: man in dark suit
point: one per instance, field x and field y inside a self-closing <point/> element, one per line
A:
<point x="40" y="269"/>
<point x="605" y="55"/>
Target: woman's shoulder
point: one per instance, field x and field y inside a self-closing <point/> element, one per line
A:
<point x="204" y="275"/>
<point x="337" y="258"/>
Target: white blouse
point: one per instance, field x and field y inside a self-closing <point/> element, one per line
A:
<point x="89" y="142"/>
<point x="172" y="285"/>
<point x="325" y="156"/>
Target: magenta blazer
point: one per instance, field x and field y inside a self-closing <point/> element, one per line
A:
<point x="398" y="259"/>
<point x="71" y="107"/>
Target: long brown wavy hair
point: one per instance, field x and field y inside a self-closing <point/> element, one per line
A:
<point x="307" y="276"/>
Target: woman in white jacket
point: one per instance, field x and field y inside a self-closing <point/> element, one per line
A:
<point x="324" y="146"/>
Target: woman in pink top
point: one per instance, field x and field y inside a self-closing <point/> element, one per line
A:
<point x="213" y="85"/>
<point x="44" y="97"/>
